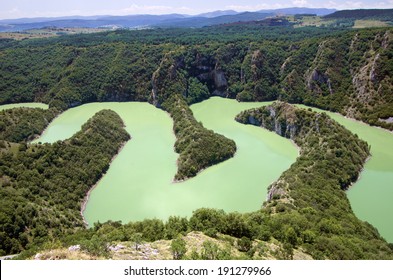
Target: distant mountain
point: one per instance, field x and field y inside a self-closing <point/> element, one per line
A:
<point x="381" y="14"/>
<point x="87" y="22"/>
<point x="295" y="11"/>
<point x="135" y="21"/>
<point x="204" y="21"/>
<point x="218" y="14"/>
<point x="46" y="19"/>
<point x="172" y="20"/>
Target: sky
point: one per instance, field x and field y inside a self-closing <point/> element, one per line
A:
<point x="11" y="9"/>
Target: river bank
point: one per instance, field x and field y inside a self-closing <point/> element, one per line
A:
<point x="86" y="199"/>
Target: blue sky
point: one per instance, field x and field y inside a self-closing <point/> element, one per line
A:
<point x="53" y="8"/>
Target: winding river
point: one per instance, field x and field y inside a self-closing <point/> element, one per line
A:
<point x="139" y="185"/>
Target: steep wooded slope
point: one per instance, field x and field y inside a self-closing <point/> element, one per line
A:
<point x="345" y="71"/>
<point x="42" y="186"/>
<point x="310" y="195"/>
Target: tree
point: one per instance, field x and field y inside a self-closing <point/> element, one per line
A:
<point x="287" y="251"/>
<point x="174" y="226"/>
<point x="290" y="236"/>
<point x="205" y="218"/>
<point x="210" y="250"/>
<point x="178" y="248"/>
<point x="244" y="244"/>
<point x="96" y="246"/>
<point x="196" y="91"/>
<point x="236" y="225"/>
<point x="137" y="239"/>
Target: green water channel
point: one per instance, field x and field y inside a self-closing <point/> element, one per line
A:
<point x="139" y="185"/>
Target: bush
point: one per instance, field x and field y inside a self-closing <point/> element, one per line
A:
<point x="208" y="219"/>
<point x="244" y="244"/>
<point x="178" y="248"/>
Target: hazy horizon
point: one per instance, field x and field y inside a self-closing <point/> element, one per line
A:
<point x="55" y="8"/>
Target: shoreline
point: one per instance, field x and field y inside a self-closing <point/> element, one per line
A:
<point x="87" y="196"/>
<point x="201" y="171"/>
<point x="34" y="141"/>
<point x="341" y="115"/>
<point x="358" y="121"/>
<point x="173" y="147"/>
<point x="362" y="122"/>
<point x="360" y="174"/>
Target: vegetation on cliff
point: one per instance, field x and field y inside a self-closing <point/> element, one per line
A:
<point x="198" y="147"/>
<point x="347" y="71"/>
<point x="43" y="186"/>
<point x="344" y="71"/>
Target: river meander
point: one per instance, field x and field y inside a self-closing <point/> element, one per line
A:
<point x="139" y="185"/>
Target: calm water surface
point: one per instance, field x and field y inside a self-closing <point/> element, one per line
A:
<point x="139" y="184"/>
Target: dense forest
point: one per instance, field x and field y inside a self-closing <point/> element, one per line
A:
<point x="338" y="70"/>
<point x="24" y="124"/>
<point x="346" y="71"/>
<point x="43" y="186"/>
<point x="379" y="14"/>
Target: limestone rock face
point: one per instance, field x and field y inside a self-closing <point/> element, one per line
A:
<point x="220" y="83"/>
<point x="317" y="77"/>
<point x="219" y="79"/>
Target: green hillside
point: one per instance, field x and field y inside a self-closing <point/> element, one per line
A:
<point x="377" y="14"/>
<point x="344" y="71"/>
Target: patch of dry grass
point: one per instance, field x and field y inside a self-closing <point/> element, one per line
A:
<point x="161" y="250"/>
<point x="370" y="23"/>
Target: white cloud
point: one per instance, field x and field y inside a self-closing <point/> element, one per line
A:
<point x="354" y="5"/>
<point x="357" y="5"/>
<point x="242" y="8"/>
<point x="146" y="9"/>
<point x="13" y="13"/>
<point x="300" y="3"/>
<point x="137" y="9"/>
<point x="18" y="11"/>
<point x="131" y="10"/>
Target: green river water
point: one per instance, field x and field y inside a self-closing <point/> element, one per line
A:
<point x="139" y="185"/>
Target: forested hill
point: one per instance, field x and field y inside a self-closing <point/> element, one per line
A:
<point x="313" y="186"/>
<point x="43" y="186"/>
<point x="379" y="14"/>
<point x="345" y="71"/>
<point x="339" y="70"/>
